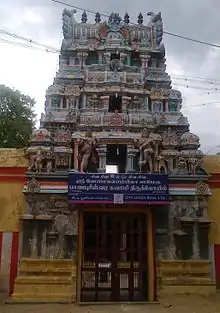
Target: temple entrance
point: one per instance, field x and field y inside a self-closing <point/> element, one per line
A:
<point x="114" y="257"/>
<point x="117" y="155"/>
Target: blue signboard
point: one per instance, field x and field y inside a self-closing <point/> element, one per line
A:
<point x="118" y="188"/>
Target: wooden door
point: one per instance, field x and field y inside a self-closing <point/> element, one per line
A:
<point x="114" y="260"/>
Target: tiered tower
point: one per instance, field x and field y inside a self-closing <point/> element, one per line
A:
<point x="112" y="103"/>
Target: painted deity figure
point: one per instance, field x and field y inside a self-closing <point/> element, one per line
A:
<point x="157" y="106"/>
<point x="86" y="146"/>
<point x="172" y="106"/>
<point x="146" y="148"/>
<point x="161" y="164"/>
<point x="36" y="162"/>
<point x="193" y="165"/>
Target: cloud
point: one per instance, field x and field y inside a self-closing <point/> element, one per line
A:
<point x="32" y="71"/>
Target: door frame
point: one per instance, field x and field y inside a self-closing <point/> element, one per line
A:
<point x="150" y="243"/>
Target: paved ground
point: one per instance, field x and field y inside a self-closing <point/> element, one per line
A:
<point x="186" y="304"/>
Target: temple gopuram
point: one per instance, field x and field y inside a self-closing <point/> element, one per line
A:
<point x="116" y="197"/>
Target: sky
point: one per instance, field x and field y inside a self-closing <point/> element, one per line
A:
<point x="32" y="71"/>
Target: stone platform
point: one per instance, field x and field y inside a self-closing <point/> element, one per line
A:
<point x="43" y="280"/>
<point x="185" y="277"/>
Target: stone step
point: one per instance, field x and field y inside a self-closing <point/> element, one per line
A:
<point x="175" y="271"/>
<point x="39" y="266"/>
<point x="56" y="297"/>
<point x="50" y="280"/>
<point x="39" y="290"/>
<point x="187" y="280"/>
<point x="45" y="280"/>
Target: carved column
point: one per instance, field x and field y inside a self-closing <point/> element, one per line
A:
<point x="77" y="103"/>
<point x="34" y="243"/>
<point x="144" y="60"/>
<point x="76" y="154"/>
<point x="195" y="239"/>
<point x="105" y="102"/>
<point x="107" y="57"/>
<point x="129" y="59"/>
<point x="44" y="244"/>
<point x="171" y="251"/>
<point x="195" y="242"/>
<point x="179" y="106"/>
<point x="125" y="102"/>
<point x="170" y="164"/>
<point x="166" y="105"/>
<point x="61" y="102"/>
<point x="83" y="104"/>
<point x="67" y="103"/>
<point x="131" y="153"/>
<point x="85" y="55"/>
<point x="122" y="57"/>
<point x="100" y="54"/>
<point x="80" y="57"/>
<point x="102" y="150"/>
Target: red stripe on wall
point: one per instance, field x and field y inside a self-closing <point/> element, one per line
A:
<point x="1" y="241"/>
<point x="14" y="261"/>
<point x="215" y="176"/>
<point x="217" y="264"/>
<point x="13" y="170"/>
<point x="215" y="184"/>
<point x="13" y="179"/>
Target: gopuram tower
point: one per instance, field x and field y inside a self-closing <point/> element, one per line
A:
<point x="127" y="234"/>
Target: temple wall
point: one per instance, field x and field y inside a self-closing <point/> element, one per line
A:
<point x="212" y="166"/>
<point x="12" y="203"/>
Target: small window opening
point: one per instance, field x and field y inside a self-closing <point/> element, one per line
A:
<point x="149" y="104"/>
<point x="115" y="103"/>
<point x="115" y="56"/>
<point x="164" y="105"/>
<point x="135" y="59"/>
<point x="64" y="103"/>
<point x="116" y="158"/>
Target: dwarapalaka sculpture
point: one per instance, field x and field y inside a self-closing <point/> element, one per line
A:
<point x="87" y="146"/>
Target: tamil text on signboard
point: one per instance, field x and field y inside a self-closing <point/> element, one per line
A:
<point x="118" y="188"/>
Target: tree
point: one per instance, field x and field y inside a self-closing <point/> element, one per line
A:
<point x="17" y="118"/>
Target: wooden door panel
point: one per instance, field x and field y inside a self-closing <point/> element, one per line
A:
<point x="114" y="257"/>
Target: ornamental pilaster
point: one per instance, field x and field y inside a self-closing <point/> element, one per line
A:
<point x="80" y="57"/>
<point x="102" y="151"/>
<point x="61" y="102"/>
<point x="100" y="57"/>
<point x="171" y="249"/>
<point x="84" y="55"/>
<point x="144" y="60"/>
<point x="105" y="102"/>
<point x="76" y="155"/>
<point x="195" y="242"/>
<point x="33" y="242"/>
<point x="107" y="57"/>
<point x="131" y="153"/>
<point x="125" y="102"/>
<point x="123" y="57"/>
<point x="166" y="105"/>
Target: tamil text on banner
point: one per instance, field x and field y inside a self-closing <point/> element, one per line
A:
<point x="118" y="188"/>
